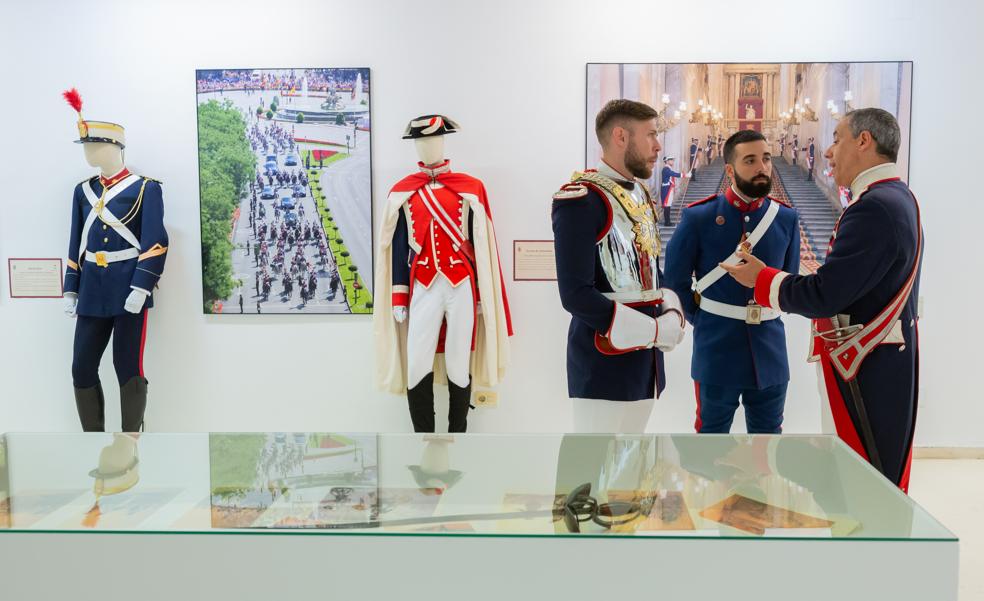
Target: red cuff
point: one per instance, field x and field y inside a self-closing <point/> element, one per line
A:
<point x="763" y="285"/>
<point x="401" y="299"/>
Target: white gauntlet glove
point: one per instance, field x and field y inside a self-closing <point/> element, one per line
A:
<point x="135" y="301"/>
<point x="400" y="314"/>
<point x="71" y="302"/>
<point x="670" y="324"/>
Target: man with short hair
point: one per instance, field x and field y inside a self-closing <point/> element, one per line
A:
<point x="739" y="347"/>
<point x="606" y="239"/>
<point x="863" y="298"/>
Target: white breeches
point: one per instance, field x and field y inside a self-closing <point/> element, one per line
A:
<point x="428" y="308"/>
<point x="600" y="416"/>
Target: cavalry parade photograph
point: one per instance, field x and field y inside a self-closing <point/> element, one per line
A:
<point x="284" y="164"/>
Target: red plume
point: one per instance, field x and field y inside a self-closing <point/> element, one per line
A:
<point x="74" y="99"/>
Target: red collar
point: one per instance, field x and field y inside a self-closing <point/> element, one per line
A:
<point x="740" y="204"/>
<point x="112" y="181"/>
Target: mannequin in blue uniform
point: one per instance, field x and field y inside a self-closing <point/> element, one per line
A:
<point x="606" y="240"/>
<point x="116" y="254"/>
<point x="863" y="298"/>
<point x="739" y="348"/>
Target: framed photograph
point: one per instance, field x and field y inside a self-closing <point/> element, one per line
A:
<point x="285" y="187"/>
<point x="796" y="106"/>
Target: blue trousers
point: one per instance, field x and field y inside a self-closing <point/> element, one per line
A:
<point x="91" y="339"/>
<point x="716" y="406"/>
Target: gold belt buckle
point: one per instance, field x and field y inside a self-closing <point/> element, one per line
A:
<point x="753" y="313"/>
<point x="101" y="259"/>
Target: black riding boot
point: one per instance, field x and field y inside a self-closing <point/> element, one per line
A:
<point x="91" y="406"/>
<point x="459" y="402"/>
<point x="421" y="401"/>
<point x="133" y="403"/>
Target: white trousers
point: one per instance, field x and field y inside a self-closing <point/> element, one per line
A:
<point x="602" y="417"/>
<point x="428" y="308"/>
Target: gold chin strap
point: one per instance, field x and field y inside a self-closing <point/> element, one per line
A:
<point x="126" y="218"/>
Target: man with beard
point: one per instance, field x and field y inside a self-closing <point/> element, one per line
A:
<point x="739" y="346"/>
<point x="607" y="246"/>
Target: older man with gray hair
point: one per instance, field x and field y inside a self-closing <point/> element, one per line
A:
<point x="863" y="299"/>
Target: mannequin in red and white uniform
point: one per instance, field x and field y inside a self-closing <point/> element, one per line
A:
<point x="439" y="284"/>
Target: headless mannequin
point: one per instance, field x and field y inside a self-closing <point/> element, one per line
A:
<point x="108" y="158"/>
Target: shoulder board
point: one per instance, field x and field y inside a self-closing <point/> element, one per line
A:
<point x="702" y="201"/>
<point x="784" y="203"/>
<point x="150" y="179"/>
<point x="570" y="192"/>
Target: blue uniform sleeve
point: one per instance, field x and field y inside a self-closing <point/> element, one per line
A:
<point x="153" y="239"/>
<point x="865" y="249"/>
<point x="73" y="268"/>
<point x="681" y="261"/>
<point x="401" y="252"/>
<point x="792" y="262"/>
<point x="576" y="225"/>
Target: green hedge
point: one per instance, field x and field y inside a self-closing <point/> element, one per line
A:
<point x="226" y="164"/>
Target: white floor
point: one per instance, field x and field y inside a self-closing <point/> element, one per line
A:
<point x="952" y="490"/>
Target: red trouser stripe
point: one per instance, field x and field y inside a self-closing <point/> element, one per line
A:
<point x="697" y="422"/>
<point x="842" y="419"/>
<point x="143" y="340"/>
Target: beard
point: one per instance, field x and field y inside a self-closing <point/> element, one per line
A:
<point x="636" y="164"/>
<point x="755" y="187"/>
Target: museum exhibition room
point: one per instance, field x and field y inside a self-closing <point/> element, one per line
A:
<point x="490" y="300"/>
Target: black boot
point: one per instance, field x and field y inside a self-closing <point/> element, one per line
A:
<point x="133" y="402"/>
<point x="91" y="406"/>
<point x="421" y="401"/>
<point x="459" y="402"/>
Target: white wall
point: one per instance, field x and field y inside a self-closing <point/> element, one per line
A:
<point x="512" y="73"/>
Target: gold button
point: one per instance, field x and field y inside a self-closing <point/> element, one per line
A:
<point x="104" y="227"/>
<point x="105" y="240"/>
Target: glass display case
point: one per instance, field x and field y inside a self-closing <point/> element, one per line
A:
<point x="517" y="489"/>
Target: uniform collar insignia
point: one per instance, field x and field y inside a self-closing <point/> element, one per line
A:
<point x="109" y="182"/>
<point x="741" y="202"/>
<point x="869" y="177"/>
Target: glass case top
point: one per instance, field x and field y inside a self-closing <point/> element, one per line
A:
<point x="708" y="486"/>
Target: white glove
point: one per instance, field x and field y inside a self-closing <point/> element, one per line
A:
<point x="71" y="302"/>
<point x="400" y="314"/>
<point x="669" y="331"/>
<point x="687" y="174"/>
<point x="135" y="301"/>
<point x="478" y="308"/>
<point x="669" y="325"/>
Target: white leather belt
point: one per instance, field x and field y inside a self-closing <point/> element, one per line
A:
<point x="642" y="296"/>
<point x="750" y="314"/>
<point x="104" y="258"/>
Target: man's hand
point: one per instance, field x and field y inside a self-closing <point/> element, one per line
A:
<point x="747" y="271"/>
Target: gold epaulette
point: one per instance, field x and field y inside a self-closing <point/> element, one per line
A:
<point x="150" y="179"/>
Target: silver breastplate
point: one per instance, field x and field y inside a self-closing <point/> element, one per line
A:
<point x="630" y="250"/>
